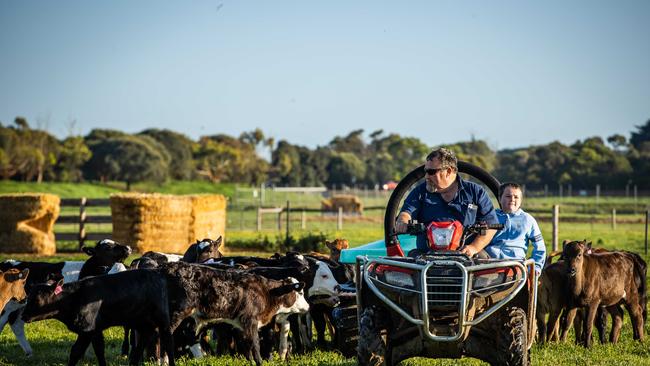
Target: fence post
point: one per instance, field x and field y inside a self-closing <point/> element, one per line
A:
<point x="259" y="218"/>
<point x="569" y="190"/>
<point x="339" y="219"/>
<point x="288" y="211"/>
<point x="303" y="220"/>
<point x="597" y="193"/>
<point x="613" y="219"/>
<point x="560" y="189"/>
<point x="280" y="220"/>
<point x="647" y="213"/>
<point x="545" y="190"/>
<point x="82" y="221"/>
<point x="556" y="222"/>
<point x="635" y="198"/>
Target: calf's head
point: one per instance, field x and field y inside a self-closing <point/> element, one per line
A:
<point x="324" y="282"/>
<point x="42" y="299"/>
<point x="107" y="252"/>
<point x="203" y="250"/>
<point x="12" y="285"/>
<point x="335" y="247"/>
<point x="573" y="254"/>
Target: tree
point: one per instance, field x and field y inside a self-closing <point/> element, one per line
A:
<point x="619" y="142"/>
<point x="476" y="152"/>
<point x="179" y="147"/>
<point x="129" y="159"/>
<point x="73" y="155"/>
<point x="641" y="135"/>
<point x="345" y="168"/>
<point x="224" y="158"/>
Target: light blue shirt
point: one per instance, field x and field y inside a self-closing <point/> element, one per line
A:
<point x="519" y="229"/>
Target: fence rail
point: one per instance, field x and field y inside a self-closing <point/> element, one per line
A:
<point x="83" y="218"/>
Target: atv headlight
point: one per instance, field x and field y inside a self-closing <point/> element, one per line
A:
<point x="400" y="279"/>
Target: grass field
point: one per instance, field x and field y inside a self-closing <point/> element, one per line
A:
<point x="51" y="341"/>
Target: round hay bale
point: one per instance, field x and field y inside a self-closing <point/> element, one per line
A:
<point x="27" y="223"/>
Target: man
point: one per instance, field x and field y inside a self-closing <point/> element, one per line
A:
<point x="445" y="196"/>
<point x="519" y="229"/>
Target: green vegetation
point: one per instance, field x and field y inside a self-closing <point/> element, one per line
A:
<point x="154" y="155"/>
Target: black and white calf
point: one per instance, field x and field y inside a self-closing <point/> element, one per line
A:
<point x="137" y="299"/>
<point x="106" y="256"/>
<point x="199" y="252"/>
<point x="244" y="300"/>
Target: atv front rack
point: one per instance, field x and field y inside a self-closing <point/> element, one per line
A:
<point x="443" y="282"/>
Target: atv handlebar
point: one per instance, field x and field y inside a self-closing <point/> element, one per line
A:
<point x="414" y="228"/>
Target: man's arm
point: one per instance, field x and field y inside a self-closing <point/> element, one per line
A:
<point x="402" y="220"/>
<point x="480" y="242"/>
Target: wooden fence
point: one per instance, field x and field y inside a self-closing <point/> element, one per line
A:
<point x="82" y="219"/>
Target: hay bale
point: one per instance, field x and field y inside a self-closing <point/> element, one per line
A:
<point x="166" y="223"/>
<point x="208" y="217"/>
<point x="351" y="204"/>
<point x="27" y="223"/>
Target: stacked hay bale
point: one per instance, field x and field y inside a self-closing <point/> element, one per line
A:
<point x="166" y="223"/>
<point x="27" y="223"/>
<point x="351" y="204"/>
<point x="208" y="217"/>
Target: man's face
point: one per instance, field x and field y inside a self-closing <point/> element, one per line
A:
<point x="441" y="179"/>
<point x="511" y="199"/>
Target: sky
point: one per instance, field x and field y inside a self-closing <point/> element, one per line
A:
<point x="513" y="73"/>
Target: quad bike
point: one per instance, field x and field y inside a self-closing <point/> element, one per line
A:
<point x="438" y="304"/>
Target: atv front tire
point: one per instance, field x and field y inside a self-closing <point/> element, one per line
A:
<point x="371" y="349"/>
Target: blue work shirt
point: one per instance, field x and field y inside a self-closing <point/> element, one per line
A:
<point x="519" y="229"/>
<point x="470" y="205"/>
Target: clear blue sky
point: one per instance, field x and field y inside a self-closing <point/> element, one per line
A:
<point x="514" y="73"/>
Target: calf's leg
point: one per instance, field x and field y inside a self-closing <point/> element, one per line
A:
<point x="98" y="347"/>
<point x="79" y="348"/>
<point x="589" y="323"/>
<point x="617" y="322"/>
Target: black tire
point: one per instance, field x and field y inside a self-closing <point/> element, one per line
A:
<point x="511" y="342"/>
<point x="371" y="350"/>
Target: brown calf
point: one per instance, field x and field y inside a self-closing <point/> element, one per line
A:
<point x="551" y="300"/>
<point x="336" y="247"/>
<point x="601" y="279"/>
<point x="12" y="286"/>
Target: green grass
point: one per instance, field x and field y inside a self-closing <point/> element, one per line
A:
<point x="51" y="341"/>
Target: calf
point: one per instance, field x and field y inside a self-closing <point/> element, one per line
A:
<point x="199" y="252"/>
<point x="601" y="279"/>
<point x="551" y="300"/>
<point x="244" y="300"/>
<point x="107" y="254"/>
<point x="138" y="299"/>
<point x="335" y="247"/>
<point x="12" y="285"/>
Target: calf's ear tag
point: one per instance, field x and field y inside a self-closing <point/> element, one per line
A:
<point x="58" y="289"/>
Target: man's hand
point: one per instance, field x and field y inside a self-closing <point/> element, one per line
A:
<point x="401" y="222"/>
<point x="400" y="227"/>
<point x="469" y="250"/>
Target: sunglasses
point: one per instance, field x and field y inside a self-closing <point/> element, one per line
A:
<point x="433" y="171"/>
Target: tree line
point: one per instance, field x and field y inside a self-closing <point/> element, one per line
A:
<point x="28" y="154"/>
